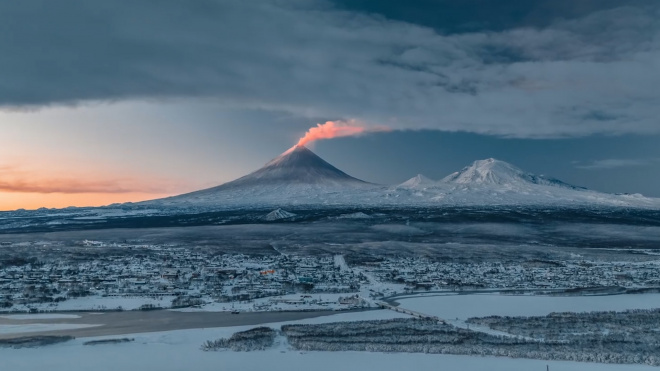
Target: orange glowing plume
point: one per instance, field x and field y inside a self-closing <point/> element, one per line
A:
<point x="334" y="129"/>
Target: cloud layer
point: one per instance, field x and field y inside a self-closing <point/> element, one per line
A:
<point x="72" y="186"/>
<point x="594" y="74"/>
<point x="613" y="163"/>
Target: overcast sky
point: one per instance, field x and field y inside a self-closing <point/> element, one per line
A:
<point x="125" y="100"/>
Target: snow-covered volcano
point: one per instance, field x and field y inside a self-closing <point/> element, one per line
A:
<point x="492" y="172"/>
<point x="493" y="182"/>
<point x="297" y="176"/>
<point x="298" y="165"/>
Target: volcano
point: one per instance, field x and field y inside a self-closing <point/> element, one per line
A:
<point x="297" y="176"/>
<point x="496" y="173"/>
<point x="298" y="165"/>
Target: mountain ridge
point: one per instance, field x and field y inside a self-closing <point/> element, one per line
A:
<point x="298" y="177"/>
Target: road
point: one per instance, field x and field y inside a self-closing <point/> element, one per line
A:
<point x="341" y="263"/>
<point x="413" y="313"/>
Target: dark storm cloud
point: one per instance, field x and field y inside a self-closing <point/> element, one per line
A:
<point x="454" y="16"/>
<point x="560" y="72"/>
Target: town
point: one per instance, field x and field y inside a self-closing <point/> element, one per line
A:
<point x="133" y="276"/>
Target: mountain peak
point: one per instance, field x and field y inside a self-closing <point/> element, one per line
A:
<point x="488" y="171"/>
<point x="418" y="180"/>
<point x="278" y="214"/>
<point x="297" y="156"/>
<point x="296" y="149"/>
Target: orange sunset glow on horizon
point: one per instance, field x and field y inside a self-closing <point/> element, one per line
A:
<point x="57" y="183"/>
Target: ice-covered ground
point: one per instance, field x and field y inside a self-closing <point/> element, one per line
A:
<point x="180" y="350"/>
<point x="451" y="306"/>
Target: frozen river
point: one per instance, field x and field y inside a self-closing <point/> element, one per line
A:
<point x="451" y="305"/>
<point x="180" y="350"/>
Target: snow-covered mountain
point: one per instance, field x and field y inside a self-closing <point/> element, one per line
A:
<point x="298" y="177"/>
<point x="278" y="214"/>
<point x="298" y="165"/>
<point x="492" y="172"/>
<point x="418" y="181"/>
<point x="492" y="182"/>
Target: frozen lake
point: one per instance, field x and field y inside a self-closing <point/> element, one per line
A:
<point x="451" y="306"/>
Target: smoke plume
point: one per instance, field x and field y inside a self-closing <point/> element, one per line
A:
<point x="335" y="129"/>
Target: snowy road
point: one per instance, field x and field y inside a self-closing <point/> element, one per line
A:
<point x="341" y="263"/>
